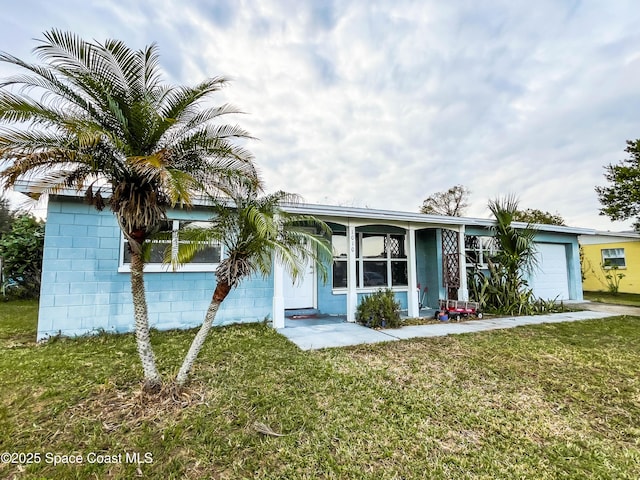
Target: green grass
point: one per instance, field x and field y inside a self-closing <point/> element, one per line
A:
<point x="617" y="298"/>
<point x="549" y="401"/>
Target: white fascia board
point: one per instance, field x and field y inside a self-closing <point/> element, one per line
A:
<point x="485" y="222"/>
<point x="333" y="211"/>
<point x="32" y="187"/>
<point x="601" y="237"/>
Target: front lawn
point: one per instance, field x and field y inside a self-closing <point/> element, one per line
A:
<point x="548" y="401"/>
<point x="615" y="298"/>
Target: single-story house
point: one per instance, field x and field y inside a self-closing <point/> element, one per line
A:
<point x="611" y="253"/>
<point x="422" y="258"/>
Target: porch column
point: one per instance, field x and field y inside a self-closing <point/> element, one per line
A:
<point x="352" y="296"/>
<point x="278" y="294"/>
<point x="463" y="291"/>
<point x="413" y="301"/>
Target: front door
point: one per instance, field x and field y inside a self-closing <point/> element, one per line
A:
<point x="301" y="294"/>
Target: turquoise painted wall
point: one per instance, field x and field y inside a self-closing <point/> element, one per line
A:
<point x="82" y="291"/>
<point x="429" y="265"/>
<point x="572" y="250"/>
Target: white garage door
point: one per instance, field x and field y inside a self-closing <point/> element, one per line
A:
<point x="551" y="280"/>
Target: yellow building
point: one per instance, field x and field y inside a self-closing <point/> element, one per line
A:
<point x="610" y="259"/>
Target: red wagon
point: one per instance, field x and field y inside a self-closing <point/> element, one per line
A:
<point x="457" y="309"/>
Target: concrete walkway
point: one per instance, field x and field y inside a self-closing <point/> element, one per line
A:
<point x="331" y="334"/>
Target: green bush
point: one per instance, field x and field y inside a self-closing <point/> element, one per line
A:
<point x="380" y="309"/>
<point x="21" y="251"/>
<point x="503" y="294"/>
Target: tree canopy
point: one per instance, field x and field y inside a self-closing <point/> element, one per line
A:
<point x="621" y="198"/>
<point x="6" y="215"/>
<point x="255" y="231"/>
<point x="535" y="216"/>
<point x="21" y="250"/>
<point x="452" y="202"/>
<point x="97" y="117"/>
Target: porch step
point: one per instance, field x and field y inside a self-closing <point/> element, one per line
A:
<point x="295" y="313"/>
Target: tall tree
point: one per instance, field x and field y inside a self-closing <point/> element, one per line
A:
<point x="452" y="202"/>
<point x="254" y="231"/>
<point x="6" y="215"/>
<point x="102" y="121"/>
<point x="621" y="199"/>
<point x="535" y="216"/>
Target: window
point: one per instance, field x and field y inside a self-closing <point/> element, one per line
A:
<point x="340" y="247"/>
<point x="479" y="250"/>
<point x="203" y="261"/>
<point x="613" y="257"/>
<point x="381" y="260"/>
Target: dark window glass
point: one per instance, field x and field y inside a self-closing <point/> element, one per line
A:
<point x="208" y="255"/>
<point x="374" y="274"/>
<point x="399" y="277"/>
<point x="339" y="274"/>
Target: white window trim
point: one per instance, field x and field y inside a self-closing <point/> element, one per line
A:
<point x="167" y="268"/>
<point x="481" y="253"/>
<point x="360" y="261"/>
<point x="609" y="267"/>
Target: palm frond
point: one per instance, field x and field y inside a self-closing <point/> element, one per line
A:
<point x="183" y="99"/>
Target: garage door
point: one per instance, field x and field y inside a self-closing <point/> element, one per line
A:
<point x="551" y="280"/>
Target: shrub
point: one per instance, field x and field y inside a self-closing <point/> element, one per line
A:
<point x="380" y="309"/>
<point x="21" y="251"/>
<point x="502" y="294"/>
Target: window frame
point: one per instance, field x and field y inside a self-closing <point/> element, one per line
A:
<point x="159" y="267"/>
<point x="482" y="252"/>
<point x="361" y="259"/>
<point x="614" y="266"/>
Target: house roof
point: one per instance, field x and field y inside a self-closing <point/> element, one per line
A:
<point x="420" y="218"/>
<point x="336" y="211"/>
<point x="603" y="237"/>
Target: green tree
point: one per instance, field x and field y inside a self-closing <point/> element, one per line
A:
<point x="21" y="252"/>
<point x="254" y="230"/>
<point x="6" y="215"/>
<point x="102" y="121"/>
<point x="452" y="202"/>
<point x="535" y="216"/>
<point x="621" y="198"/>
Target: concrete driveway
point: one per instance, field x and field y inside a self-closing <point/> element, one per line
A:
<point x="334" y="334"/>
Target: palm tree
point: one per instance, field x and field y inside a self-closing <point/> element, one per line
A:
<point x="255" y="231"/>
<point x="102" y="121"/>
<point x="506" y="290"/>
<point x="517" y="252"/>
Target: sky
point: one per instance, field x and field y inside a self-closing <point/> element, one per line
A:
<point x="380" y="104"/>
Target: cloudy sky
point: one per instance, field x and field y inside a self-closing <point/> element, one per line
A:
<point x="381" y="103"/>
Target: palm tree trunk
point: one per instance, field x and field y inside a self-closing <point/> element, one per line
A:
<point x="152" y="379"/>
<point x="220" y="293"/>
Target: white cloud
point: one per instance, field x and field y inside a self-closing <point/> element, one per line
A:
<point x="380" y="104"/>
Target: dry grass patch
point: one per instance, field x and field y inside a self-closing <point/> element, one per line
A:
<point x="550" y="401"/>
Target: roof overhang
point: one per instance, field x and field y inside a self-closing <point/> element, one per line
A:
<point x="341" y="212"/>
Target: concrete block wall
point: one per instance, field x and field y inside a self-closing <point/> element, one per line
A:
<point x="83" y="292"/>
<point x="328" y="302"/>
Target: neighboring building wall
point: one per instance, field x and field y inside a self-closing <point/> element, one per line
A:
<point x="595" y="276"/>
<point x="82" y="291"/>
